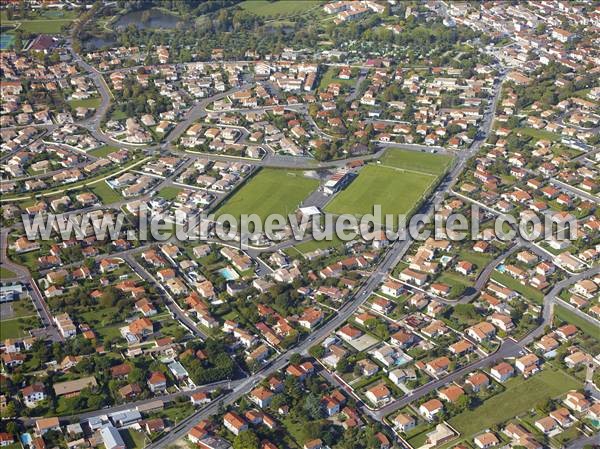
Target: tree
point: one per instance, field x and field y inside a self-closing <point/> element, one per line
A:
<point x="295" y="358"/>
<point x="312" y="406"/>
<point x="342" y="365"/>
<point x="12" y="428"/>
<point x="317" y="351"/>
<point x="246" y="440"/>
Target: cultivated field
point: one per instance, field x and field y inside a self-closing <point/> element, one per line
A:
<point x="271" y="191"/>
<point x="395" y="190"/>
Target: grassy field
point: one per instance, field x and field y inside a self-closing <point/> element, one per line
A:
<point x="584" y="326"/>
<point x="169" y="193"/>
<point x="330" y="77"/>
<point x="266" y="8"/>
<point x="312" y="245"/>
<point x="5" y="273"/>
<point x="17" y="318"/>
<point x="45" y="26"/>
<point x="93" y="103"/>
<point x="105" y="193"/>
<point x="520" y="395"/>
<point x="103" y="151"/>
<point x="456" y="281"/>
<point x="133" y="439"/>
<point x="12" y="329"/>
<point x="271" y="191"/>
<point x="480" y="260"/>
<point x="538" y="134"/>
<point x="47" y="21"/>
<point x="397" y="192"/>
<point x="435" y="164"/>
<point x="525" y="290"/>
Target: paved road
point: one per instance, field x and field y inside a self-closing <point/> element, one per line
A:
<point x="170" y="302"/>
<point x="574" y="191"/>
<point x="394" y="254"/>
<point x="509" y="348"/>
<point x="23" y="276"/>
<point x="226" y="384"/>
<point x="484" y="276"/>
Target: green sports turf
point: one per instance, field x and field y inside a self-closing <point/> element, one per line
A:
<point x="396" y="191"/>
<point x="271" y="191"/>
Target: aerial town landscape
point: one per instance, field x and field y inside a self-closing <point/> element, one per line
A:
<point x="121" y="116"/>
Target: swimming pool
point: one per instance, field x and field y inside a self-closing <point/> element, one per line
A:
<point x="403" y="359"/>
<point x="229" y="274"/>
<point x="6" y="40"/>
<point x="501" y="268"/>
<point x="26" y="439"/>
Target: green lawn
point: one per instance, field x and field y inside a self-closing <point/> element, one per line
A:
<point x="105" y="193"/>
<point x="93" y="103"/>
<point x="271" y="191"/>
<point x="312" y="245"/>
<point x="5" y="273"/>
<point x="415" y="160"/>
<point x="456" y="281"/>
<point x="525" y="290"/>
<point x="169" y="193"/>
<point x="18" y="327"/>
<point x="584" y="326"/>
<point x="118" y="114"/>
<point x="330" y="77"/>
<point x="103" y="151"/>
<point x="45" y="26"/>
<point x="133" y="439"/>
<point x="538" y="134"/>
<point x="280" y="8"/>
<point x="396" y="191"/>
<point x="520" y="395"/>
<point x="480" y="260"/>
<point x="11" y="329"/>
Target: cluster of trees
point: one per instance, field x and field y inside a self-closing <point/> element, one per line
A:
<point x="134" y="99"/>
<point x="418" y="38"/>
<point x="215" y="24"/>
<point x="219" y="365"/>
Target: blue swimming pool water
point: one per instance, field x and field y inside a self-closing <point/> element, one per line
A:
<point x="229" y="274"/>
<point x="501" y="268"/>
<point x="26" y="439"/>
<point x="5" y="40"/>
